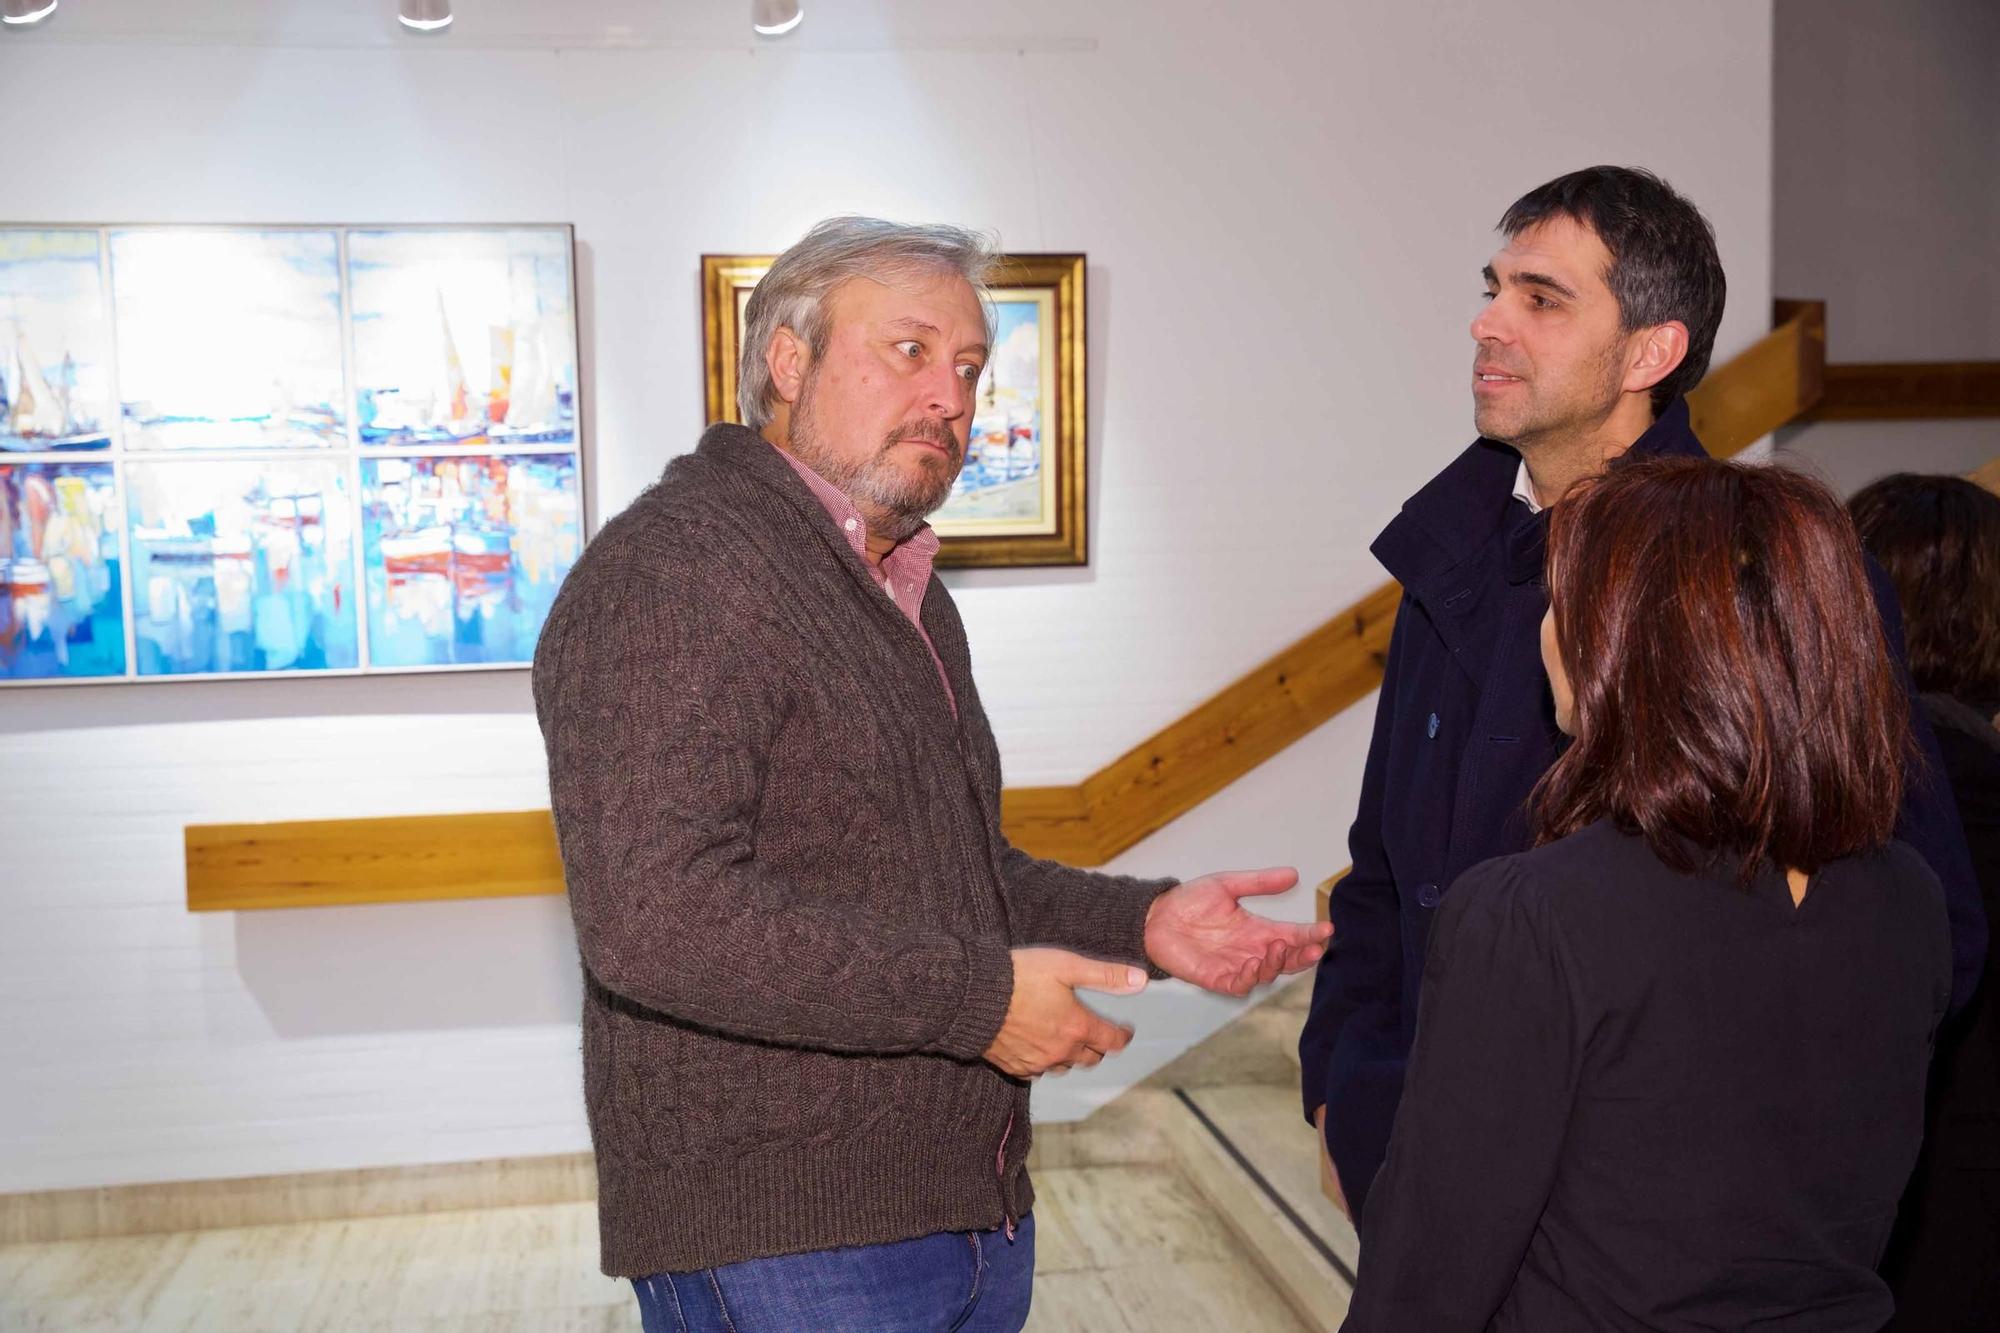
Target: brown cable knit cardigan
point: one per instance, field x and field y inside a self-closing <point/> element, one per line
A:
<point x="792" y="895"/>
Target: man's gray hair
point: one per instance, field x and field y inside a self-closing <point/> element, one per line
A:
<point x="792" y="295"/>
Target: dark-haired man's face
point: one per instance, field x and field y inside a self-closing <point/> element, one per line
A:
<point x="1551" y="359"/>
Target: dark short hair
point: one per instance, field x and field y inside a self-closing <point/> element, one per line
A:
<point x="1734" y="690"/>
<point x="1663" y="260"/>
<point x="1939" y="538"/>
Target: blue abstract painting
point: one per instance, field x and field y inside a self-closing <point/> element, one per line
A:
<point x="232" y="451"/>
<point x="242" y="566"/>
<point x="463" y="554"/>
<point x="55" y="343"/>
<point x="61" y="609"/>
<point x="463" y="337"/>
<point x="228" y="338"/>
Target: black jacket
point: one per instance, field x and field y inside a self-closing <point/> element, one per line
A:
<point x="1464" y="729"/>
<point x="1648" y="1100"/>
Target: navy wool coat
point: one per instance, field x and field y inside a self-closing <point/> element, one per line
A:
<point x="1464" y="728"/>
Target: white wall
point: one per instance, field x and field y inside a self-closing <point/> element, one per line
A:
<point x="1286" y="208"/>
<point x="1886" y="204"/>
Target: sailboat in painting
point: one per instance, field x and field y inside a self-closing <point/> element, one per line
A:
<point x="42" y="415"/>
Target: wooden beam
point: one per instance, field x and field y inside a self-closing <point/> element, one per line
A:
<point x="1989" y="476"/>
<point x="1175" y="770"/>
<point x="1909" y="391"/>
<point x="1765" y="386"/>
<point x="334" y="862"/>
<point x="321" y="863"/>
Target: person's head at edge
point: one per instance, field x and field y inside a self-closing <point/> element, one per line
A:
<point x="1600" y="309"/>
<point x="862" y="351"/>
<point x="1939" y="539"/>
<point x="1713" y="646"/>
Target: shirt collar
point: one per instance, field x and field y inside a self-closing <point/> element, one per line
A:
<point x="1524" y="489"/>
<point x="914" y="554"/>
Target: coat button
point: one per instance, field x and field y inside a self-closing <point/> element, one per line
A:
<point x="1427" y="895"/>
<point x="1431" y="729"/>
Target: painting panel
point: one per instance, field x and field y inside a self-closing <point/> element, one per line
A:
<point x="463" y="337"/>
<point x="62" y="614"/>
<point x="1005" y="488"/>
<point x="464" y="554"/>
<point x="229" y="338"/>
<point x="55" y="342"/>
<point x="242" y="566"/>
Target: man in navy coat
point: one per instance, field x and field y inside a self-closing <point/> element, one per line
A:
<point x="1601" y="311"/>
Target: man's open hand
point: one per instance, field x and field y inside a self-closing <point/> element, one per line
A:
<point x="1047" y="1028"/>
<point x="1199" y="932"/>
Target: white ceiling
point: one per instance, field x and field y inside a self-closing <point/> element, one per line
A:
<point x="830" y="25"/>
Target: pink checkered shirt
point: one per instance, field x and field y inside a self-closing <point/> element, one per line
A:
<point x="903" y="574"/>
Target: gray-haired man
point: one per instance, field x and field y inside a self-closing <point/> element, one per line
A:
<point x="818" y="978"/>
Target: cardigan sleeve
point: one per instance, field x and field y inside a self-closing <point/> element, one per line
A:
<point x="1479" y="1133"/>
<point x="1102" y="916"/>
<point x="659" y="717"/>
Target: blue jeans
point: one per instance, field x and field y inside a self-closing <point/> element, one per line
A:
<point x="953" y="1282"/>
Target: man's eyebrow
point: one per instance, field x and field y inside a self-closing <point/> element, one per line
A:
<point x="1525" y="279"/>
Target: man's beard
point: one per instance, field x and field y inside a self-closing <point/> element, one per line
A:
<point x="894" y="504"/>
<point x="1578" y="410"/>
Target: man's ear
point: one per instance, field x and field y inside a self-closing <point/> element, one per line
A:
<point x="1658" y="352"/>
<point x="788" y="359"/>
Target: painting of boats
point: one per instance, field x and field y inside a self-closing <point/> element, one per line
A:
<point x="463" y="337"/>
<point x="1004" y="485"/>
<point x="228" y="338"/>
<point x="463" y="554"/>
<point x="62" y="614"/>
<point x="242" y="566"/>
<point x="55" y="381"/>
<point x="231" y="451"/>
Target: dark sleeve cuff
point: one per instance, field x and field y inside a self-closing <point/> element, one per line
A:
<point x="1144" y="892"/>
<point x="989" y="988"/>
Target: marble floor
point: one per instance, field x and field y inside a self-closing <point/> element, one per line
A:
<point x="1125" y="1240"/>
<point x="1119" y="1248"/>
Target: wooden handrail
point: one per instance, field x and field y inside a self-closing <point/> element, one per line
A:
<point x="1909" y="391"/>
<point x="1989" y="476"/>
<point x="332" y="862"/>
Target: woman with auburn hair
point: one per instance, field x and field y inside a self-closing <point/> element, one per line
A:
<point x="1669" y="1064"/>
<point x="1939" y="538"/>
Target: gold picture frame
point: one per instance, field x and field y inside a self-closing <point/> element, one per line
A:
<point x="1021" y="498"/>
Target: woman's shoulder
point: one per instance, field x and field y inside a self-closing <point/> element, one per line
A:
<point x="1895" y="871"/>
<point x="1586" y="861"/>
<point x="1530" y="891"/>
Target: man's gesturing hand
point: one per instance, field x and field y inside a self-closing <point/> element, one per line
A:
<point x="1199" y="932"/>
<point x="1047" y="1027"/>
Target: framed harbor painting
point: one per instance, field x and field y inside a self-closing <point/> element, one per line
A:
<point x="291" y="450"/>
<point x="1020" y="496"/>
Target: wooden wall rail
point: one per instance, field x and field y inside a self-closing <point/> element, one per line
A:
<point x="1989" y="476"/>
<point x="1909" y="391"/>
<point x="321" y="863"/>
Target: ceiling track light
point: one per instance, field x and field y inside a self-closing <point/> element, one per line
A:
<point x="775" y="18"/>
<point x="21" y="13"/>
<point x="424" y="15"/>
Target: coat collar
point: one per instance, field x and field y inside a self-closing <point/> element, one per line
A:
<point x="1460" y="512"/>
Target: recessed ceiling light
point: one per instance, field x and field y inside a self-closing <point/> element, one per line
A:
<point x="775" y="18"/>
<point x="425" y="15"/>
<point x="24" y="12"/>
